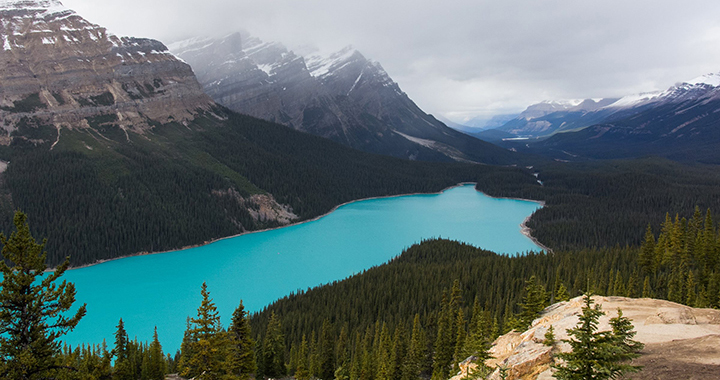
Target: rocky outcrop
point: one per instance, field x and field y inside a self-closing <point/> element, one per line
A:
<point x="60" y="70"/>
<point x="680" y="341"/>
<point x="262" y="207"/>
<point x="343" y="96"/>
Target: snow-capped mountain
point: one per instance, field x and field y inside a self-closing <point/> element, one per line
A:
<point x="681" y="123"/>
<point x="550" y="117"/>
<point x="342" y="96"/>
<point x="59" y="70"/>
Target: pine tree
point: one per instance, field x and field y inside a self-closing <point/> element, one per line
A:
<point x="242" y="361"/>
<point x="326" y="346"/>
<point x="597" y="355"/>
<point x="33" y="305"/>
<point x="646" y="292"/>
<point x="156" y="359"/>
<point x="208" y="343"/>
<point x="274" y="348"/>
<point x="549" y="337"/>
<point x="384" y="355"/>
<point x="460" y="336"/>
<point x="534" y="301"/>
<point x="626" y="348"/>
<point x="647" y="252"/>
<point x="413" y="364"/>
<point x="303" y="371"/>
<point x="122" y="370"/>
<point x="562" y="293"/>
<point x="342" y="356"/>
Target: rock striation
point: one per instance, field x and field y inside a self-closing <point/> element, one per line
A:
<point x="58" y="69"/>
<point x="342" y="96"/>
<point x="681" y="342"/>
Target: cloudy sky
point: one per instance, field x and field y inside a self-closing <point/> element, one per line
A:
<point x="464" y="58"/>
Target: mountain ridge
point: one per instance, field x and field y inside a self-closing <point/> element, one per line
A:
<point x="343" y="96"/>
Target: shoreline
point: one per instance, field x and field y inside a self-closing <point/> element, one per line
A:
<point x="524" y="229"/>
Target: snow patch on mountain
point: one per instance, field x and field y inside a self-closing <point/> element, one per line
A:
<point x="710" y="79"/>
<point x="320" y="66"/>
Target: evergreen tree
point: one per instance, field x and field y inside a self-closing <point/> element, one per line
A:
<point x="647" y="252"/>
<point x="597" y="355"/>
<point x="206" y="360"/>
<point x="413" y="364"/>
<point x="562" y="294"/>
<point x="384" y="356"/>
<point x="626" y="349"/>
<point x="534" y="302"/>
<point x="156" y="359"/>
<point x="446" y="333"/>
<point x="460" y="336"/>
<point x="326" y="346"/>
<point x="274" y="349"/>
<point x="242" y="361"/>
<point x="302" y="372"/>
<point x="550" y="337"/>
<point x="342" y="356"/>
<point x="33" y="304"/>
<point x="122" y="369"/>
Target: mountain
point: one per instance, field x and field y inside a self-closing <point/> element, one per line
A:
<point x="680" y="123"/>
<point x="493" y="122"/>
<point x="549" y="117"/>
<point x="680" y="341"/>
<point x="64" y="72"/>
<point x="343" y="96"/>
<point x="111" y="148"/>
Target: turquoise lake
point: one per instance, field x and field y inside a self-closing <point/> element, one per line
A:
<point x="163" y="289"/>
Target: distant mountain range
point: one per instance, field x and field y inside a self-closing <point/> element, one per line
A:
<point x="342" y="96"/>
<point x="680" y="123"/>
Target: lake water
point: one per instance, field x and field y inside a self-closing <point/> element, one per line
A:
<point x="163" y="289"/>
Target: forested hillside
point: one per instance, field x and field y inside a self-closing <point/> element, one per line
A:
<point x="461" y="297"/>
<point x="606" y="203"/>
<point x="103" y="195"/>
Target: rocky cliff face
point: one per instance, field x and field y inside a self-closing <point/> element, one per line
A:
<point x="681" y="342"/>
<point x="344" y="97"/>
<point x="58" y="69"/>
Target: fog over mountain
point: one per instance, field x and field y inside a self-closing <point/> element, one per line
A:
<point x="464" y="58"/>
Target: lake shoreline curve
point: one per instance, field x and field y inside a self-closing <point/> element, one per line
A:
<point x="524" y="228"/>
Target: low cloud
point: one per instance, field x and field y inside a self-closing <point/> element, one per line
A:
<point x="464" y="57"/>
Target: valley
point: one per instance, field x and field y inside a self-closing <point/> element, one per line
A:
<point x="231" y="207"/>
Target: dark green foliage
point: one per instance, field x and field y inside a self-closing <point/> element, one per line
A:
<point x="598" y="354"/>
<point x="123" y="368"/>
<point x="603" y="204"/>
<point x="683" y="263"/>
<point x="30" y="103"/>
<point x="103" y="197"/>
<point x="413" y="284"/>
<point x="34" y="306"/>
<point x="534" y="301"/>
<point x="550" y="337"/>
<point x="274" y="349"/>
<point x="204" y="355"/>
<point x="104" y="99"/>
<point x="242" y="359"/>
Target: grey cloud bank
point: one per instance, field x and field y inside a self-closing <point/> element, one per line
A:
<point x="463" y="58"/>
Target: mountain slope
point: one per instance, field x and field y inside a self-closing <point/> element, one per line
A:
<point x="681" y="123"/>
<point x="549" y="117"/>
<point x="61" y="70"/>
<point x="344" y="97"/>
<point x="111" y="148"/>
